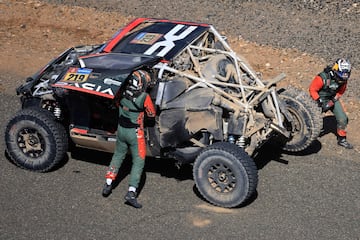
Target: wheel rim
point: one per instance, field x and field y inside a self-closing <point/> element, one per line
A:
<point x="31" y="142"/>
<point x="221" y="178"/>
<point x="297" y="126"/>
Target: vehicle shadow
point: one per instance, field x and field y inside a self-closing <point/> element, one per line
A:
<point x="272" y="151"/>
<point x="162" y="166"/>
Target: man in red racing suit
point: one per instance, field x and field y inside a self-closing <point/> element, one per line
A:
<point x="327" y="88"/>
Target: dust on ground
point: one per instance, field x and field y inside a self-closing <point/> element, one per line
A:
<point x="34" y="32"/>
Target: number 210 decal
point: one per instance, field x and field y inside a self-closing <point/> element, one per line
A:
<point x="74" y="77"/>
<point x="77" y="74"/>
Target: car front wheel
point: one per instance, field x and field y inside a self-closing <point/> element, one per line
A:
<point x="35" y="141"/>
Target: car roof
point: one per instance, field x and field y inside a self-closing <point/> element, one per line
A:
<point x="157" y="37"/>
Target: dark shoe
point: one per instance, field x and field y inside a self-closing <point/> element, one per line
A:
<point x="130" y="198"/>
<point x="107" y="190"/>
<point x="344" y="143"/>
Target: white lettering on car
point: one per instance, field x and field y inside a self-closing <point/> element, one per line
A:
<point x="94" y="87"/>
<point x="168" y="43"/>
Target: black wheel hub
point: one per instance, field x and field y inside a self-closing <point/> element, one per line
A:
<point x="221" y="178"/>
<point x="30" y="142"/>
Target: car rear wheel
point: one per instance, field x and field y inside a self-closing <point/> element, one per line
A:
<point x="35" y="141"/>
<point x="225" y="175"/>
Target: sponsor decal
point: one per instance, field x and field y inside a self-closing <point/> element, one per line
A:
<point x="94" y="87"/>
<point x="110" y="81"/>
<point x="146" y="38"/>
<point x="76" y="75"/>
<point x="170" y="37"/>
<point x="94" y="75"/>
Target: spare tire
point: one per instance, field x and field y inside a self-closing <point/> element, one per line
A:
<point x="306" y="123"/>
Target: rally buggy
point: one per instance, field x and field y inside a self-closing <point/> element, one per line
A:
<point x="213" y="110"/>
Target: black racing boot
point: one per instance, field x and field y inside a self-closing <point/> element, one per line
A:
<point x="107" y="190"/>
<point x="344" y="143"/>
<point x="130" y="198"/>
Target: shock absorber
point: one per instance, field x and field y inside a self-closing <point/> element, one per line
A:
<point x="57" y="112"/>
<point x="241" y="141"/>
<point x="53" y="107"/>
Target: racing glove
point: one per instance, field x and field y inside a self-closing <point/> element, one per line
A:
<point x="320" y="103"/>
<point x="326" y="107"/>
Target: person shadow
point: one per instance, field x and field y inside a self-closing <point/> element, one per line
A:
<point x="329" y="126"/>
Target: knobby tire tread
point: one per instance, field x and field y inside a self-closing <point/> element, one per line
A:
<point x="313" y="113"/>
<point x="56" y="130"/>
<point x="244" y="159"/>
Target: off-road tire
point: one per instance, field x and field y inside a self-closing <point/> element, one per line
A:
<point x="35" y="141"/>
<point x="225" y="175"/>
<point x="307" y="119"/>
